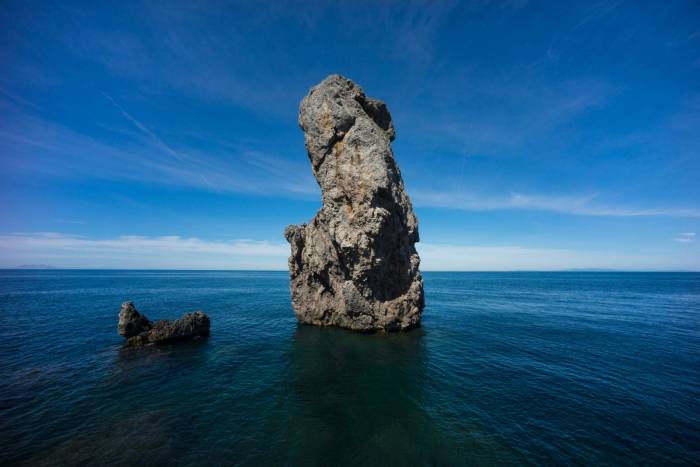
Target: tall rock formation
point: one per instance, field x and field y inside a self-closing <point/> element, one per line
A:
<point x="355" y="264"/>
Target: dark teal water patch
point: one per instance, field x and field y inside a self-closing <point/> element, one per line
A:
<point x="507" y="368"/>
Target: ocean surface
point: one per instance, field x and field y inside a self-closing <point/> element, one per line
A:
<point x="508" y="368"/>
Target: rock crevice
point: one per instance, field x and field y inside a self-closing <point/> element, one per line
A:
<point x="355" y="264"/>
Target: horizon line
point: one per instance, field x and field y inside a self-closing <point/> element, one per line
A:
<point x="601" y="270"/>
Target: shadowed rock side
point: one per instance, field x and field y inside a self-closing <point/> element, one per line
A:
<point x="139" y="330"/>
<point x="355" y="264"/>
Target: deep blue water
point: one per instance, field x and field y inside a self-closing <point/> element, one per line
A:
<point x="539" y="368"/>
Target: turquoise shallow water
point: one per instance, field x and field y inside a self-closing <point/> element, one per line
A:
<point x="539" y="368"/>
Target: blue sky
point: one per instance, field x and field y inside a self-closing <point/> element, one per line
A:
<point x="530" y="135"/>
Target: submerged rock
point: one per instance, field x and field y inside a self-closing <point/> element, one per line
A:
<point x="139" y="330"/>
<point x="355" y="264"/>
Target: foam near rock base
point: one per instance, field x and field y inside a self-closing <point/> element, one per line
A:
<point x="355" y="264"/>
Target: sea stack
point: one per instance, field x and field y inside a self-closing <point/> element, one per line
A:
<point x="139" y="330"/>
<point x="355" y="264"/>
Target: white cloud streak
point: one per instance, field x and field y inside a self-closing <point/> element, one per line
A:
<point x="444" y="257"/>
<point x="581" y="205"/>
<point x="143" y="129"/>
<point x="133" y="251"/>
<point x="686" y="237"/>
<point x="173" y="252"/>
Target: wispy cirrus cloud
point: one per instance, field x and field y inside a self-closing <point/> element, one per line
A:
<point x="501" y="115"/>
<point x="153" y="138"/>
<point x="34" y="146"/>
<point x="575" y="205"/>
<point x="453" y="82"/>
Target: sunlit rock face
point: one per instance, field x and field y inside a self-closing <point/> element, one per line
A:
<point x="355" y="264"/>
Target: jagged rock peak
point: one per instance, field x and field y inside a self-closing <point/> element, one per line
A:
<point x="131" y="322"/>
<point x="355" y="264"/>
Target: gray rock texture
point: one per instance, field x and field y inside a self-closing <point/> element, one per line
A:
<point x="355" y="264"/>
<point x="131" y="322"/>
<point x="139" y="330"/>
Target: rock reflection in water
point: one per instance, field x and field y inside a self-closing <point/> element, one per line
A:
<point x="359" y="398"/>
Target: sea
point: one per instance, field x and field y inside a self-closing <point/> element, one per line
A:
<point x="517" y="368"/>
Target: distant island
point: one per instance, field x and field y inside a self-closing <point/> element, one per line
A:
<point x="590" y="270"/>
<point x="34" y="266"/>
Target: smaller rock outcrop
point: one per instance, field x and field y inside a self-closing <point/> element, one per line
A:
<point x="139" y="330"/>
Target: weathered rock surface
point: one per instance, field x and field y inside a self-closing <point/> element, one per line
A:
<point x="355" y="264"/>
<point x="131" y="322"/>
<point x="139" y="330"/>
